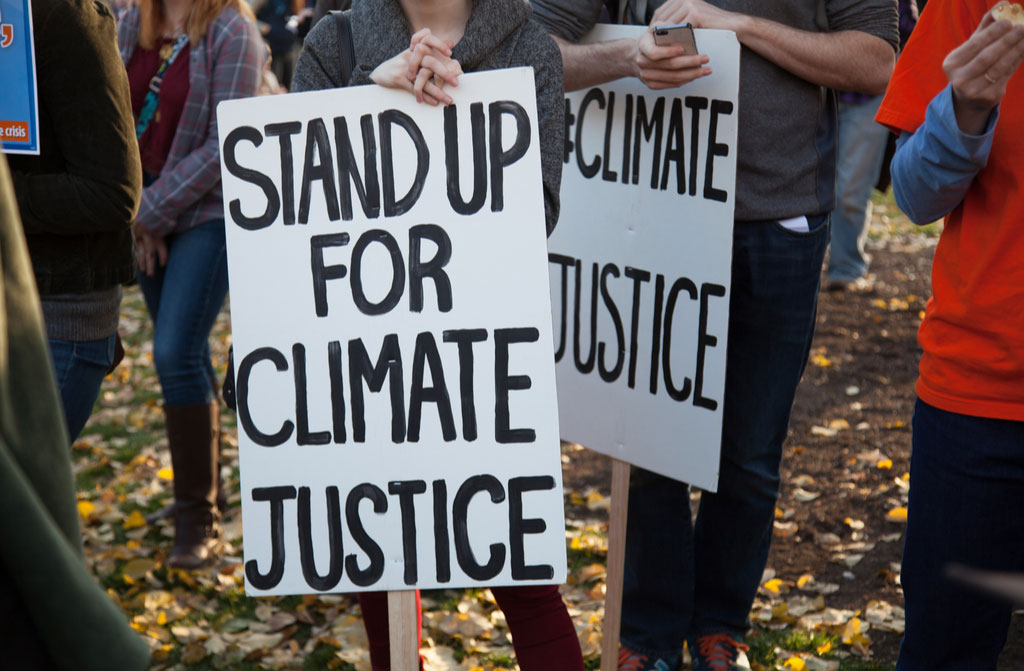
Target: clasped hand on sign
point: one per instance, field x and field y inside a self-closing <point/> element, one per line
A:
<point x="423" y="69"/>
<point x="980" y="68"/>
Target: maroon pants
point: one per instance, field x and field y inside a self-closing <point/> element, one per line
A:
<point x="542" y="631"/>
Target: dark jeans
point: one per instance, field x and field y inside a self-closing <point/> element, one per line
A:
<point x="184" y="298"/>
<point x="80" y="367"/>
<point x="966" y="503"/>
<point x="684" y="580"/>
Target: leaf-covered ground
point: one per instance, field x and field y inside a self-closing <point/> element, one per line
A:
<point x="830" y="598"/>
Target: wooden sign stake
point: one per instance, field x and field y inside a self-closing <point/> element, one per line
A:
<point x="402" y="630"/>
<point x="616" y="566"/>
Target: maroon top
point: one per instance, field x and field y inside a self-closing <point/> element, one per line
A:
<point x="155" y="143"/>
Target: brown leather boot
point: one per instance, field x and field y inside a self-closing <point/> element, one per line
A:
<point x="194" y="440"/>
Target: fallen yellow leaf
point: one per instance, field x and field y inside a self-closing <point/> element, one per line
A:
<point x="795" y="663"/>
<point x="597" y="501"/>
<point x="773" y="585"/>
<point x="161" y="653"/>
<point x="802" y="581"/>
<point x="591" y="572"/>
<point x="137" y="568"/>
<point x="824" y="648"/>
<point x="85" y="508"/>
<point x="194" y="653"/>
<point x="884" y="464"/>
<point x="851" y="630"/>
<point x="897" y="515"/>
<point x="821" y="360"/>
<point x="135" y="520"/>
<point x="165" y="474"/>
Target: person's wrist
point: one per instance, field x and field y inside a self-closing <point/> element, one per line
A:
<point x="631" y="59"/>
<point x="971" y="116"/>
<point x="739" y="23"/>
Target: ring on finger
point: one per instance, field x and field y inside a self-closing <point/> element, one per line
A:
<point x="990" y="79"/>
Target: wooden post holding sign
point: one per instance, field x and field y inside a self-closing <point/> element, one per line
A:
<point x="402" y="630"/>
<point x="396" y="396"/>
<point x="640" y="273"/>
<point x="615" y="568"/>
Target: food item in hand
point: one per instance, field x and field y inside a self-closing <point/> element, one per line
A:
<point x="1011" y="12"/>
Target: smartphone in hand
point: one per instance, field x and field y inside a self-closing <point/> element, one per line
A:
<point x="680" y="33"/>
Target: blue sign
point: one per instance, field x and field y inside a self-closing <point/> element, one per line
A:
<point x="19" y="107"/>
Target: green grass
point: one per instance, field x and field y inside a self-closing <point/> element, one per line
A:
<point x="580" y="558"/>
<point x="887" y="219"/>
<point x="764" y="643"/>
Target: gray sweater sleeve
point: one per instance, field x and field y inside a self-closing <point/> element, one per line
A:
<point x="875" y="17"/>
<point x="547" y="71"/>
<point x="568" y="20"/>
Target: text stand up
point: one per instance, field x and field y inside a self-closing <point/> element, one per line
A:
<point x="616" y="565"/>
<point x="402" y="629"/>
<point x="397" y="412"/>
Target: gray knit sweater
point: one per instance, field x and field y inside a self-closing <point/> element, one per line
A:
<point x="498" y="35"/>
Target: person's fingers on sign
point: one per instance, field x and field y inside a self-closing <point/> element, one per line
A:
<point x="980" y="68"/>
<point x="423" y="69"/>
<point x="395" y="73"/>
<point x="423" y="44"/>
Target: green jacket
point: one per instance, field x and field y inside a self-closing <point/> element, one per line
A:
<point x="41" y="548"/>
<point x="79" y="196"/>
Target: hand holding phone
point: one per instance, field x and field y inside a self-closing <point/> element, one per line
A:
<point x="680" y="33"/>
<point x="659" y="61"/>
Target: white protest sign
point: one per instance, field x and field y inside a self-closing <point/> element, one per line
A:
<point x="392" y="337"/>
<point x="640" y="265"/>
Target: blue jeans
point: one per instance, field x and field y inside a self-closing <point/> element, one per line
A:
<point x="966" y="498"/>
<point x="184" y="298"/>
<point x="859" y="162"/>
<point x="684" y="580"/>
<point x="80" y="367"/>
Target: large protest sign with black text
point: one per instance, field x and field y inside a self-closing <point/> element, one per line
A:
<point x="640" y="265"/>
<point x="392" y="338"/>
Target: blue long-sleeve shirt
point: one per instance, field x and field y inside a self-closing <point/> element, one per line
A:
<point x="934" y="166"/>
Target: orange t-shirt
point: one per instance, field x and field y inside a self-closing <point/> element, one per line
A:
<point x="973" y="331"/>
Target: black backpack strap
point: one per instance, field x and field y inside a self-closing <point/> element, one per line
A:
<point x="345" y="46"/>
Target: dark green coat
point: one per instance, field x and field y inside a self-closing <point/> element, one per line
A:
<point x="56" y="601"/>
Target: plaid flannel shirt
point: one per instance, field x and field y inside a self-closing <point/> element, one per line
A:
<point x="227" y="63"/>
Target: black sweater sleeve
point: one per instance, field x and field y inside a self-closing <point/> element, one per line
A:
<point x="88" y="177"/>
